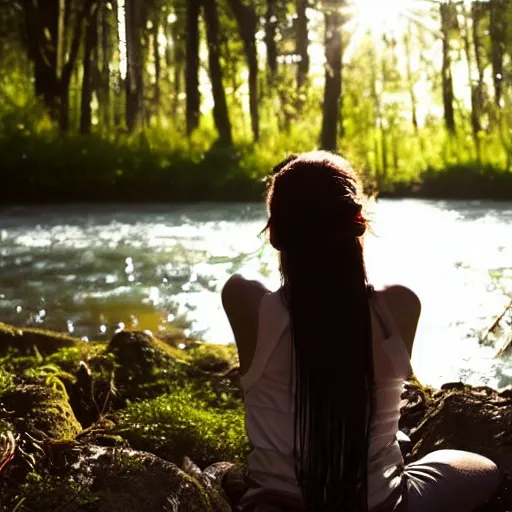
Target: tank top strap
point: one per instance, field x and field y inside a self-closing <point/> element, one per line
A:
<point x="273" y="319"/>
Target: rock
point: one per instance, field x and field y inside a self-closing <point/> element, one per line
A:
<point x="209" y="357"/>
<point x="107" y="479"/>
<point x="230" y="477"/>
<point x="26" y="339"/>
<point x="37" y="408"/>
<point x="470" y="419"/>
<point x="138" y="350"/>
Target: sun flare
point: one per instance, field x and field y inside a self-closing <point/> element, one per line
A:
<point x="380" y="17"/>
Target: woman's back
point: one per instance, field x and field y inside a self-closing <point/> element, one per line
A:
<point x="269" y="401"/>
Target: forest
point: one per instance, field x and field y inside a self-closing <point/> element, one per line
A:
<point x="198" y="99"/>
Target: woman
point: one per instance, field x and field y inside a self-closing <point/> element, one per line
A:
<point x="323" y="361"/>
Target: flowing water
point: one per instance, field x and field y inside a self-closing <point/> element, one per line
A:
<point x="90" y="270"/>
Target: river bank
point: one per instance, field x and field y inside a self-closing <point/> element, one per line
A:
<point x="46" y="169"/>
<point x="143" y="424"/>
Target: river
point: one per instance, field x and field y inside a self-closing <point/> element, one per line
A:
<point x="93" y="269"/>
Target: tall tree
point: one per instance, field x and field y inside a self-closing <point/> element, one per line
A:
<point x="47" y="33"/>
<point x="478" y="11"/>
<point x="192" y="68"/>
<point x="155" y="33"/>
<point x="220" y="108"/>
<point x="135" y="22"/>
<point x="302" y="42"/>
<point x="498" y="32"/>
<point x="333" y="75"/>
<point x="475" y="107"/>
<point x="447" y="23"/>
<point x="410" y="79"/>
<point x="91" y="41"/>
<point x="271" y="24"/>
<point x="247" y="21"/>
<point x="178" y="54"/>
<point x="106" y="56"/>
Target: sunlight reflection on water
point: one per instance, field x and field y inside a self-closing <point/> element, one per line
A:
<point x="91" y="269"/>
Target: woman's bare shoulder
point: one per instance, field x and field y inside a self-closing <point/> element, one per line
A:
<point x="238" y="287"/>
<point x="405" y="307"/>
<point x="399" y="294"/>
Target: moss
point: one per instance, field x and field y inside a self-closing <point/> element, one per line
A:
<point x="109" y="479"/>
<point x="43" y="408"/>
<point x="69" y="358"/>
<point x="44" y="491"/>
<point x="144" y="366"/>
<point x="212" y="357"/>
<point x="6" y="380"/>
<point x="25" y="339"/>
<point x="181" y="424"/>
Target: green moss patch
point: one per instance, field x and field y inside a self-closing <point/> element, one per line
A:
<point x="35" y="407"/>
<point x="181" y="424"/>
<point x="26" y="339"/>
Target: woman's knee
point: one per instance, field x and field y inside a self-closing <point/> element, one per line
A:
<point x="466" y="466"/>
<point x="446" y="479"/>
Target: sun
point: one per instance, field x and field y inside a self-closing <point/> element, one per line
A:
<point x="384" y="17"/>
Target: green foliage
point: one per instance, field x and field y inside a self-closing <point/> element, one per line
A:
<point x="183" y="424"/>
<point x="52" y="376"/>
<point x="6" y="380"/>
<point x="44" y="491"/>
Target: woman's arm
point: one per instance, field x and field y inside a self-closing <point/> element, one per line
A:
<point x="405" y="306"/>
<point x="241" y="299"/>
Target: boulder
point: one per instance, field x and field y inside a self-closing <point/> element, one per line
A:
<point x="25" y="340"/>
<point x="38" y="408"/>
<point x="460" y="417"/>
<point x="106" y="479"/>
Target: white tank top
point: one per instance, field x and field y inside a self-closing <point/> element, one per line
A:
<point x="269" y="405"/>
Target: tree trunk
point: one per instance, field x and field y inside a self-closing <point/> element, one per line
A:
<point x="447" y="14"/>
<point x="220" y="108"/>
<point x="498" y="36"/>
<point x="135" y="71"/>
<point x="410" y="81"/>
<point x="45" y="32"/>
<point x="247" y="21"/>
<point x="41" y="21"/>
<point x="270" y="40"/>
<point x="64" y="108"/>
<point x="302" y="43"/>
<point x="475" y="112"/>
<point x="332" y="93"/>
<point x="478" y="11"/>
<point x="178" y="58"/>
<point x="117" y="118"/>
<point x="192" y="69"/>
<point x="158" y="64"/>
<point x="377" y="112"/>
<point x="61" y="37"/>
<point x="91" y="41"/>
<point x="105" y="68"/>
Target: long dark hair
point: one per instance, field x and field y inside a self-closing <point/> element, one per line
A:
<point x="316" y="221"/>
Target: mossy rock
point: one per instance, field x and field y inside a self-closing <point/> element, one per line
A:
<point x="107" y="479"/>
<point x="210" y="357"/>
<point x="24" y="340"/>
<point x="182" y="424"/>
<point x="36" y="407"/>
<point x="144" y="366"/>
